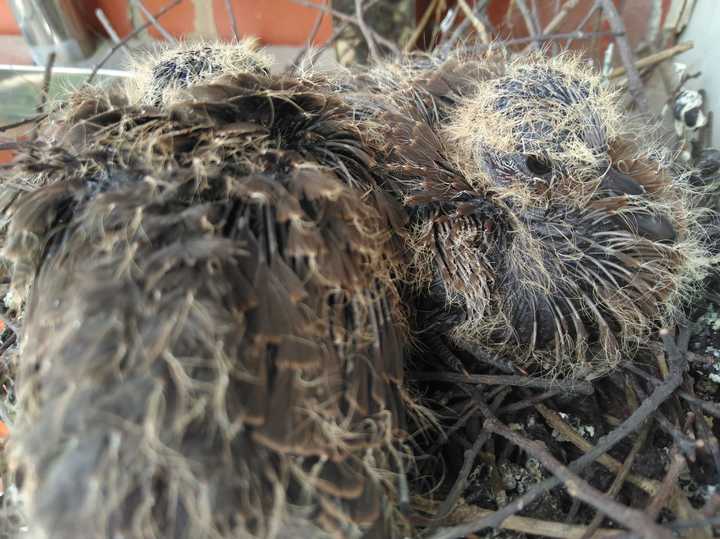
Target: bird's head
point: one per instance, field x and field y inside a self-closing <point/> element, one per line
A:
<point x="569" y="237"/>
<point x="161" y="76"/>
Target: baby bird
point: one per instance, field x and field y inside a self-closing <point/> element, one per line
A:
<point x="212" y="339"/>
<point x="223" y="271"/>
<point x="545" y="225"/>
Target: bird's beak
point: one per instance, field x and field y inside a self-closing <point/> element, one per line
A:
<point x="654" y="227"/>
<point x="616" y="183"/>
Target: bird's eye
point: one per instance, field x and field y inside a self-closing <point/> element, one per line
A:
<point x="538" y="165"/>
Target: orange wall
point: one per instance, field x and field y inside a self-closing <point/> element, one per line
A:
<point x="8" y="26"/>
<point x="278" y="22"/>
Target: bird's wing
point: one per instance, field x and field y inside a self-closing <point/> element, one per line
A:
<point x="212" y="334"/>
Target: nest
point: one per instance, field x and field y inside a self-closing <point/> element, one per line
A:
<point x="506" y="453"/>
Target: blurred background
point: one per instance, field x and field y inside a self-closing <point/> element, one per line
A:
<point x="662" y="51"/>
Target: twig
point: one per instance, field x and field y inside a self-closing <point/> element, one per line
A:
<point x="24" y="121"/>
<point x="105" y="22"/>
<point x="686" y="444"/>
<point x="233" y="20"/>
<point x="127" y="38"/>
<point x="47" y="78"/>
<point x="655" y="58"/>
<point x="337" y="32"/>
<point x="558" y="19"/>
<point x="365" y="30"/>
<point x="555" y="421"/>
<point x="708" y="438"/>
<point x="420" y="28"/>
<point x="528" y="402"/>
<point x="550" y="37"/>
<point x="636" y="520"/>
<point x="530" y="22"/>
<point x="392" y="47"/>
<point x="8" y="324"/>
<point x="475" y="21"/>
<point x="469" y="459"/>
<point x="8" y="343"/>
<point x="533" y="526"/>
<point x="560" y="16"/>
<point x="631" y="424"/>
<point x="462" y="28"/>
<point x="677" y="465"/>
<point x="150" y="17"/>
<point x="584" y="388"/>
<point x="311" y="38"/>
<point x="635" y="85"/>
<point x="619" y="479"/>
<point x="711" y="408"/>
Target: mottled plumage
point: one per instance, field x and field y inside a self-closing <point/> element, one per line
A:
<point x="224" y="271"/>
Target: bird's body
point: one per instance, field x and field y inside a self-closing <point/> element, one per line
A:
<point x="223" y="286"/>
<point x="212" y="334"/>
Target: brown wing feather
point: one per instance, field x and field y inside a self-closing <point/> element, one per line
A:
<point x="211" y="313"/>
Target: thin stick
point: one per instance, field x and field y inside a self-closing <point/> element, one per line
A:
<point x="365" y="30"/>
<point x="233" y="20"/>
<point x="337" y="32"/>
<point x="462" y="27"/>
<point x="636" y="520"/>
<point x="583" y="388"/>
<point x="530" y="23"/>
<point x="528" y="402"/>
<point x="631" y="424"/>
<point x="469" y="459"/>
<point x="534" y="526"/>
<point x="105" y="22"/>
<point x="24" y="121"/>
<point x="476" y="22"/>
<point x="420" y="28"/>
<point x="557" y="19"/>
<point x="655" y="58"/>
<point x="47" y="78"/>
<point x="619" y="479"/>
<point x="127" y="38"/>
<point x="555" y="421"/>
<point x="686" y="444"/>
<point x="551" y="37"/>
<point x="352" y="20"/>
<point x="311" y="38"/>
<point x="635" y="85"/>
<point x="711" y="408"/>
<point x="677" y="465"/>
<point x="150" y="17"/>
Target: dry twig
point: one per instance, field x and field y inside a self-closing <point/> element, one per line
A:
<point x="638" y="521"/>
<point x="150" y="17"/>
<point x="127" y="38"/>
<point x="584" y="388"/>
<point x="619" y="479"/>
<point x="353" y="20"/>
<point x="677" y="362"/>
<point x="420" y="27"/>
<point x="655" y="58"/>
<point x="475" y="21"/>
<point x="311" y="38"/>
<point x="635" y="86"/>
<point x="233" y="20"/>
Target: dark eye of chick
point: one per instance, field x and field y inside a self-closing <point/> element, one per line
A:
<point x="538" y="166"/>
